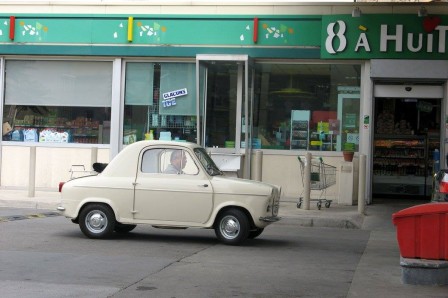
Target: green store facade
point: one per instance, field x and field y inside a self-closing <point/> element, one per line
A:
<point x="256" y="84"/>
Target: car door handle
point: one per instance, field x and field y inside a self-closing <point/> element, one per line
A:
<point x="203" y="185"/>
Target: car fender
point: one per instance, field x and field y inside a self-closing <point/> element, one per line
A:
<point x="97" y="200"/>
<point x="217" y="209"/>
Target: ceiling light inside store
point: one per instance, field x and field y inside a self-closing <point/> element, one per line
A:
<point x="292" y="92"/>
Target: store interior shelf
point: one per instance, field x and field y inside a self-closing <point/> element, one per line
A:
<point x="403" y="164"/>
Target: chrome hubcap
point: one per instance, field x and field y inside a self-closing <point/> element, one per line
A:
<point x="230" y="227"/>
<point x="96" y="221"/>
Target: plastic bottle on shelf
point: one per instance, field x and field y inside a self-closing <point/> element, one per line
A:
<point x="149" y="135"/>
<point x="436" y="160"/>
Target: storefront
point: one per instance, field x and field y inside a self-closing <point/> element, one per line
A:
<point x="279" y="78"/>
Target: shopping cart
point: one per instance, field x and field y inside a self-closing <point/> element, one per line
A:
<point x="322" y="177"/>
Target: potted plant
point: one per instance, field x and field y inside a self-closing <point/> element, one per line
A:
<point x="348" y="151"/>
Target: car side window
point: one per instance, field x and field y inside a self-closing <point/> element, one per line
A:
<point x="150" y="161"/>
<point x="177" y="161"/>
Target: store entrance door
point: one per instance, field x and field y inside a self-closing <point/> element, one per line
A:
<point x="225" y="97"/>
<point x="407" y="134"/>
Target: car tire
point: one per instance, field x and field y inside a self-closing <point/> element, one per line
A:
<point x="232" y="227"/>
<point x="255" y="233"/>
<point x="123" y="228"/>
<point x="97" y="221"/>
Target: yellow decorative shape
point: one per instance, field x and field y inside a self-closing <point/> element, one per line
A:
<point x="130" y="28"/>
<point x="361" y="27"/>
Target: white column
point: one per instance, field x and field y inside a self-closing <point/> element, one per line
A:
<point x="307" y="182"/>
<point x="362" y="184"/>
<point x="32" y="172"/>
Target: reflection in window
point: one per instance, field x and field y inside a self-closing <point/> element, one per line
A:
<point x="150" y="161"/>
<point x="160" y="102"/>
<point x="306" y="106"/>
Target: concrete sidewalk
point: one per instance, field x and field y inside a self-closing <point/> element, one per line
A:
<point x="378" y="273"/>
<point x="48" y="200"/>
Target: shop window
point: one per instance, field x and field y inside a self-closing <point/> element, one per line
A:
<point x="160" y="102"/>
<point x="57" y="101"/>
<point x="306" y="107"/>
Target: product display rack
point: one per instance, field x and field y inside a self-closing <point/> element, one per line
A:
<point x="300" y="129"/>
<point x="322" y="141"/>
<point x="77" y="134"/>
<point x="402" y="165"/>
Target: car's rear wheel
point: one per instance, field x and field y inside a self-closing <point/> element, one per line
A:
<point x="255" y="233"/>
<point x="232" y="227"/>
<point x="97" y="221"/>
<point x="123" y="228"/>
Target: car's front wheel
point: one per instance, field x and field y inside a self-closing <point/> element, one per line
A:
<point x="97" y="221"/>
<point x="232" y="227"/>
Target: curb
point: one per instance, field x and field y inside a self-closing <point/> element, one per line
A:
<point x="327" y="222"/>
<point x="28" y="216"/>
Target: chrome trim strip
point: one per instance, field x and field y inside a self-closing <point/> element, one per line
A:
<point x="60" y="208"/>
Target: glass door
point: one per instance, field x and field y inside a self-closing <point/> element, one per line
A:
<point x="224" y="105"/>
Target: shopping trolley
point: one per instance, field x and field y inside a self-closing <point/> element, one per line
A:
<point x="322" y="177"/>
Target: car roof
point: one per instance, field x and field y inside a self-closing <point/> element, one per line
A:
<point x="143" y="144"/>
<point x="125" y="163"/>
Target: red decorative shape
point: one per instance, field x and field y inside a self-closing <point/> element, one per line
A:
<point x="12" y="27"/>
<point x="255" y="37"/>
<point x="430" y="23"/>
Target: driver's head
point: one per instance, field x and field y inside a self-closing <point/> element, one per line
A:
<point x="178" y="159"/>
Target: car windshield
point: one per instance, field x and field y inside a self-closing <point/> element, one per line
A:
<point x="207" y="162"/>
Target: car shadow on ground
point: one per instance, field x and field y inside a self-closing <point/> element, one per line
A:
<point x="178" y="237"/>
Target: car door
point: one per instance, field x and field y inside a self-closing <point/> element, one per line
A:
<point x="183" y="197"/>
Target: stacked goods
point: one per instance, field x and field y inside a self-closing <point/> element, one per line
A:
<point x="385" y="123"/>
<point x="403" y="127"/>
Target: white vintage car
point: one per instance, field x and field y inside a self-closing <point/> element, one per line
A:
<point x="168" y="185"/>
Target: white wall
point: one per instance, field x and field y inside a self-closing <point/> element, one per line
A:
<point x="52" y="165"/>
<point x="198" y="7"/>
<point x="284" y="170"/>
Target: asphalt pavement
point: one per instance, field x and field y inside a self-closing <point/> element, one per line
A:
<point x="378" y="273"/>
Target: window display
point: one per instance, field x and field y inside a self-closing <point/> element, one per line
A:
<point x="160" y="102"/>
<point x="45" y="124"/>
<point x="307" y="106"/>
<point x="57" y="101"/>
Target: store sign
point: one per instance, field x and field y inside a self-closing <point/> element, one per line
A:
<point x="169" y="98"/>
<point x="384" y="36"/>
